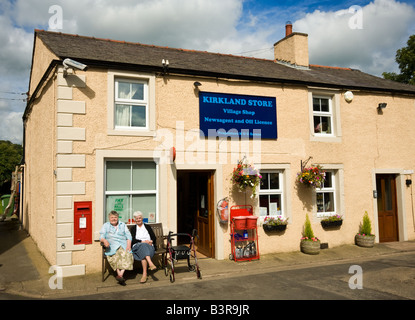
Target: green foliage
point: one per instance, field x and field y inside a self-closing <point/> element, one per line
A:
<point x="308" y="230"/>
<point x="405" y="57"/>
<point x="366" y="227"/>
<point x="10" y="157"/>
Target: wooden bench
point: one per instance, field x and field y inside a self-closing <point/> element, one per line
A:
<point x="160" y="249"/>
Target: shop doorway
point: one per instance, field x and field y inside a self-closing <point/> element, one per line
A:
<point x="387" y="207"/>
<point x="195" y="208"/>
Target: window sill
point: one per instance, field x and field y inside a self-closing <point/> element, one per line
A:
<point x="134" y="133"/>
<point x="325" y="138"/>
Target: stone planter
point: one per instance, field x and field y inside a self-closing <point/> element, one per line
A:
<point x="270" y="228"/>
<point x="310" y="247"/>
<point x="365" y="241"/>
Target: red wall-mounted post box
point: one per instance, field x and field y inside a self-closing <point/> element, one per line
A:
<point x="83" y="222"/>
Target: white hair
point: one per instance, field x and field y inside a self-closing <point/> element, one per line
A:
<point x="138" y="213"/>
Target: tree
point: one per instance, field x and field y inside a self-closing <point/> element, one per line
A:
<point x="10" y="157"/>
<point x="405" y="57"/>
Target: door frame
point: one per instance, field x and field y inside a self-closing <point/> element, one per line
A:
<point x="209" y="250"/>
<point x="217" y="172"/>
<point x="400" y="202"/>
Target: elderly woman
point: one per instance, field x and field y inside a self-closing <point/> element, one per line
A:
<point x="116" y="237"/>
<point x="144" y="242"/>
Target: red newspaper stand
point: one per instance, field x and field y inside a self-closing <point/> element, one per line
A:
<point x="244" y="234"/>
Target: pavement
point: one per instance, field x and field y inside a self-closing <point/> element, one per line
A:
<point x="24" y="272"/>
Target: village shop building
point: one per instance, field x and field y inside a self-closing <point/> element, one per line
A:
<point x="105" y="137"/>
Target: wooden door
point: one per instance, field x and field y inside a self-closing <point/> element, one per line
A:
<point x="387" y="207"/>
<point x="204" y="214"/>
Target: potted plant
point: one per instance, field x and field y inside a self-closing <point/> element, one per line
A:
<point x="310" y="244"/>
<point x="312" y="176"/>
<point x="275" y="224"/>
<point x="365" y="238"/>
<point x="246" y="176"/>
<point x="332" y="221"/>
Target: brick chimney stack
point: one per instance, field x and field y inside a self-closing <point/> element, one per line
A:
<point x="293" y="49"/>
<point x="288" y="28"/>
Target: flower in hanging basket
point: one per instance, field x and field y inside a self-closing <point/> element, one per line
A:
<point x="246" y="176"/>
<point x="312" y="176"/>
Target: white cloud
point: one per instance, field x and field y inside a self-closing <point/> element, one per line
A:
<point x="386" y="26"/>
<point x="11" y="128"/>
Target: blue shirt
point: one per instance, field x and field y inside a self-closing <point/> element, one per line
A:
<point x="117" y="236"/>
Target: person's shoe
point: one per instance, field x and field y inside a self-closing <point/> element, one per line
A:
<point x="143" y="280"/>
<point x="120" y="280"/>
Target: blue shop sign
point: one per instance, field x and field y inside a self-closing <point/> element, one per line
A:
<point x="243" y="115"/>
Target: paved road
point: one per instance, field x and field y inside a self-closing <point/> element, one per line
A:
<point x="389" y="277"/>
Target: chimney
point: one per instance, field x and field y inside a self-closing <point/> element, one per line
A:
<point x="292" y="49"/>
<point x="288" y="28"/>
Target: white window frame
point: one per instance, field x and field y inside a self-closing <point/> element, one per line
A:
<point x="131" y="102"/>
<point x="131" y="192"/>
<point x="338" y="186"/>
<point x="149" y="79"/>
<point x="326" y="114"/>
<point x="332" y="189"/>
<point x="334" y="105"/>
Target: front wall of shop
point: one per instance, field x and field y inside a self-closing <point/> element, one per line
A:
<point x="365" y="142"/>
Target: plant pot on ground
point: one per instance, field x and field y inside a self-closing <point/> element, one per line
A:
<point x="365" y="238"/>
<point x="309" y="244"/>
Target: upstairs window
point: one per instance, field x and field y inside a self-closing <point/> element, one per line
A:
<point x="131" y="104"/>
<point x="322" y="115"/>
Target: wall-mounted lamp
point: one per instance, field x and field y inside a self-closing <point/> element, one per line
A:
<point x="382" y="105"/>
<point x="197" y="84"/>
<point x="165" y="64"/>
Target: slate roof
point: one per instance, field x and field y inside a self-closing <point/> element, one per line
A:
<point x="121" y="54"/>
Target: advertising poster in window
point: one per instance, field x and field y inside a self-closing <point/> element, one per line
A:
<point x="244" y="116"/>
<point x="120" y="204"/>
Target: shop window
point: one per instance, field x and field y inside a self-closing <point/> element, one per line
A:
<point x="271" y="195"/>
<point x="131" y="186"/>
<point x="326" y="196"/>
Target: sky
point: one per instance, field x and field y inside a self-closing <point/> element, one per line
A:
<point x="359" y="34"/>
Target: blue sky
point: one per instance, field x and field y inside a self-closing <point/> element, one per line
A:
<point x="358" y="34"/>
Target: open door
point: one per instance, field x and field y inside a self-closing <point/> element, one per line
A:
<point x="195" y="208"/>
<point x="387" y="207"/>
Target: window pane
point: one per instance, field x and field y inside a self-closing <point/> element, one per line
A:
<point x="324" y="104"/>
<point x="264" y="181"/>
<point x="317" y="124"/>
<point x="325" y="124"/>
<point x="144" y="203"/>
<point x="123" y="90"/>
<point x="137" y="91"/>
<point x="144" y="176"/>
<point x="316" y="104"/>
<point x="274" y="181"/>
<point x="328" y="183"/>
<point x="264" y="202"/>
<point x="122" y="115"/>
<point x="138" y="117"/>
<point x="118" y="176"/>
<point x="325" y="202"/>
<point x="275" y="205"/>
<point x="121" y="204"/>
